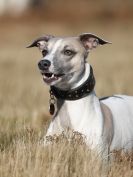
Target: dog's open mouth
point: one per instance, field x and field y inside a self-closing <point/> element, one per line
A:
<point x="51" y="77"/>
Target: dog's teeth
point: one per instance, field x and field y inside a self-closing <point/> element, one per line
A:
<point x="52" y="75"/>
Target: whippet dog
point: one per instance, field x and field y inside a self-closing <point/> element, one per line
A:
<point x="106" y="123"/>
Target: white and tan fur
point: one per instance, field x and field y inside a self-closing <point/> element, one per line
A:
<point x="106" y="124"/>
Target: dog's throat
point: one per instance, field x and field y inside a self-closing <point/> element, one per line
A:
<point x="77" y="93"/>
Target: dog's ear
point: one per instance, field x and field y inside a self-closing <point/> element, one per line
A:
<point x="91" y="41"/>
<point x="40" y="42"/>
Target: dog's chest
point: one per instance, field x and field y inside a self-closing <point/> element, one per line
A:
<point x="80" y="115"/>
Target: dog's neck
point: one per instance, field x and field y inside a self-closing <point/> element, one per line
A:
<point x="80" y="90"/>
<point x="84" y="76"/>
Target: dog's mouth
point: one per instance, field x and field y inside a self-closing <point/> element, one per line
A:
<point x="51" y="77"/>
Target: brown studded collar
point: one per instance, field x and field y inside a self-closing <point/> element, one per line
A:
<point x="77" y="93"/>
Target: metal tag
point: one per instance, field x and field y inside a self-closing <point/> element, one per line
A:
<point x="51" y="108"/>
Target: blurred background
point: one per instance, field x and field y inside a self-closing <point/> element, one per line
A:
<point x="23" y="95"/>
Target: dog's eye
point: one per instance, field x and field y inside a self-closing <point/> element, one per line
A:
<point x="44" y="52"/>
<point x="68" y="52"/>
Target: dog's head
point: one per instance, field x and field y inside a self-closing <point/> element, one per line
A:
<point x="64" y="58"/>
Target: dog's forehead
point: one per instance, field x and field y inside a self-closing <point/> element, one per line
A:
<point x="65" y="41"/>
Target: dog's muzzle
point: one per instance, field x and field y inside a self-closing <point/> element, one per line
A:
<point x="44" y="64"/>
<point x="48" y="77"/>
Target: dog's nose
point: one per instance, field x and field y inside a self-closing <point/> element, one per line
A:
<point x="44" y="64"/>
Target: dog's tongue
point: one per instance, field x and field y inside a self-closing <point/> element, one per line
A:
<point x="50" y="79"/>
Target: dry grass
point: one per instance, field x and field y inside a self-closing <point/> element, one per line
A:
<point x="24" y="101"/>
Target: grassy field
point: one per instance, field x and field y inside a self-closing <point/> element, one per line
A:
<point x="24" y="98"/>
